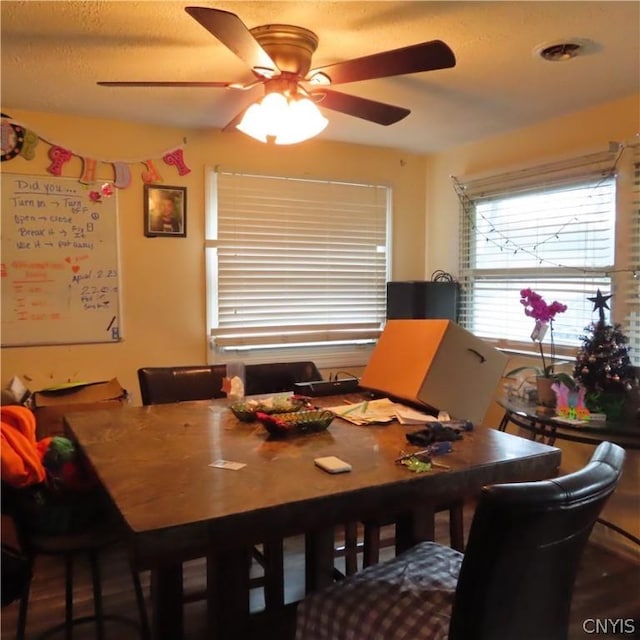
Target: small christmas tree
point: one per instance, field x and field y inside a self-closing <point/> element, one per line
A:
<point x="603" y="366"/>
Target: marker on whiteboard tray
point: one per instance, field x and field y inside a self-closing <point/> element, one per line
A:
<point x="111" y="323"/>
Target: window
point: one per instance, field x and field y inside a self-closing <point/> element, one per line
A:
<point x="551" y="228"/>
<point x="295" y="263"/>
<point x="631" y="278"/>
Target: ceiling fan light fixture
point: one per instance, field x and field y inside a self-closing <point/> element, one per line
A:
<point x="282" y="120"/>
<point x="280" y="56"/>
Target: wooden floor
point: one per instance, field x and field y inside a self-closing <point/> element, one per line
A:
<point x="608" y="587"/>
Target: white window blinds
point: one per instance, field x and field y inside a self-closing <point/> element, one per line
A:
<point x="549" y="228"/>
<point x="631" y="278"/>
<point x="295" y="262"/>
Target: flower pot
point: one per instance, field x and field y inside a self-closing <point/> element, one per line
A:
<point x="546" y="395"/>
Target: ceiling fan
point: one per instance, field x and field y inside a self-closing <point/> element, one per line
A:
<point x="279" y="57"/>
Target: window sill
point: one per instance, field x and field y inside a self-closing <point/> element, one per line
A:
<point x="325" y="357"/>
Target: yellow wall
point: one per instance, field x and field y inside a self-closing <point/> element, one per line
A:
<point x="162" y="279"/>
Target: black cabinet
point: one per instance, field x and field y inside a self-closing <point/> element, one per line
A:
<point x="422" y="299"/>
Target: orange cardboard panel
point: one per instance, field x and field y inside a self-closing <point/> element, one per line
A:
<point x="436" y="363"/>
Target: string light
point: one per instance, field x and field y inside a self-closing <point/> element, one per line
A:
<point x="503" y="240"/>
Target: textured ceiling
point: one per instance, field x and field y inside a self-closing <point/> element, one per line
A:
<point x="54" y="52"/>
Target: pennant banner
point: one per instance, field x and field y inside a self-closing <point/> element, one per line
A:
<point x="19" y="140"/>
<point x="175" y="158"/>
<point x="122" y="175"/>
<point x="151" y="174"/>
<point x="59" y="156"/>
<point x="89" y="170"/>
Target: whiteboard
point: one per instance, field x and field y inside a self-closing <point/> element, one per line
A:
<point x="59" y="271"/>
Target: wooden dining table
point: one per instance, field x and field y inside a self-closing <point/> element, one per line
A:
<point x="154" y="463"/>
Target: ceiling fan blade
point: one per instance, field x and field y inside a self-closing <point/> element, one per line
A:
<point x="426" y="56"/>
<point x="364" y="108"/>
<point x="152" y="83"/>
<point x="233" y="33"/>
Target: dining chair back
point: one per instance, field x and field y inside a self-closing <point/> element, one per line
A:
<point x="524" y="552"/>
<point x="514" y="581"/>
<point x="161" y="385"/>
<point x="278" y="377"/>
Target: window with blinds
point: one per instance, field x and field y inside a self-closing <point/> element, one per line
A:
<point x="295" y="262"/>
<point x="552" y="229"/>
<point x="631" y="281"/>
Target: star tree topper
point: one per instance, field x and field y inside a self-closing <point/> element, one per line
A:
<point x="600" y="303"/>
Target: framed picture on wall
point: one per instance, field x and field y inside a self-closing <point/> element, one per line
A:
<point x="165" y="211"/>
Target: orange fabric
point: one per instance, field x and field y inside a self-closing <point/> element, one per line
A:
<point x="43" y="445"/>
<point x="21" y="461"/>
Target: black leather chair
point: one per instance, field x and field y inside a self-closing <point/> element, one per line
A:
<point x="514" y="582"/>
<point x="161" y="385"/>
<point x="277" y="377"/>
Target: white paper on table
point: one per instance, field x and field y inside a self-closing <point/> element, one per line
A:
<point x="367" y="412"/>
<point x="407" y="415"/>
